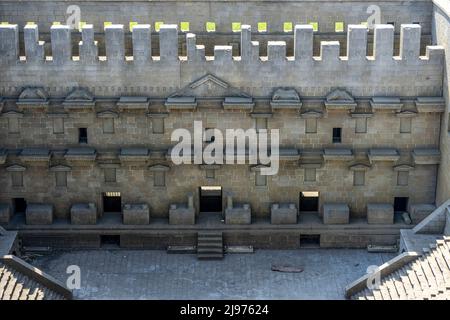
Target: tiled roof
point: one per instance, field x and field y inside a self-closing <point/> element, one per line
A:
<point x="425" y="278"/>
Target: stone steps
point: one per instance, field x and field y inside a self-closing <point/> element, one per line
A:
<point x="426" y="278"/>
<point x="210" y="245"/>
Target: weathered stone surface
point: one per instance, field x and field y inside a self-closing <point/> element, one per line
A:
<point x="420" y="211"/>
<point x="239" y="214"/>
<point x="39" y="214"/>
<point x="180" y="214"/>
<point x="284" y="213"/>
<point x="5" y="213"/>
<point x="136" y="214"/>
<point x="83" y="213"/>
<point x="380" y="213"/>
<point x="336" y="213"/>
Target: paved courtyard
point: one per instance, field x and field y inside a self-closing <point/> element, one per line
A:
<point x="132" y="274"/>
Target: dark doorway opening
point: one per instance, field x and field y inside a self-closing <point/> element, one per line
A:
<point x="400" y="204"/>
<point x="210" y="199"/>
<point x="112" y="202"/>
<point x="309" y="201"/>
<point x="110" y="240"/>
<point x="310" y="240"/>
<point x="20" y="205"/>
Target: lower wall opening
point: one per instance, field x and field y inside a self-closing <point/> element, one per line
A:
<point x="110" y="240"/>
<point x="310" y="241"/>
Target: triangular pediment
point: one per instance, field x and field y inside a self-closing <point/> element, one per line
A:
<point x="339" y="96"/>
<point x="209" y="86"/>
<point x="33" y="93"/>
<point x="80" y="94"/>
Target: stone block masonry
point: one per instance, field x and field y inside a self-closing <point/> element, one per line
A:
<point x="169" y="71"/>
<point x="83" y="213"/>
<point x="39" y="214"/>
<point x="136" y="214"/>
<point x="87" y="117"/>
<point x="5" y="213"/>
<point x="335" y="213"/>
<point x="380" y="213"/>
<point x="285" y="213"/>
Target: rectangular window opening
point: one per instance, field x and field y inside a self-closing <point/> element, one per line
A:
<point x="310" y="240"/>
<point x="82" y="135"/>
<point x="184" y="26"/>
<point x="262" y="26"/>
<point x="210" y="26"/>
<point x="337" y="135"/>
<point x="339" y="27"/>
<point x="287" y="27"/>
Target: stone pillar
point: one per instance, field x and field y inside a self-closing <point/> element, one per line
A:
<point x="383" y="44"/>
<point x="142" y="43"/>
<point x="88" y="46"/>
<point x="115" y="43"/>
<point x="9" y="43"/>
<point x="357" y="43"/>
<point x="61" y="44"/>
<point x="410" y="42"/>
<point x="223" y="54"/>
<point x="329" y="51"/>
<point x="276" y="51"/>
<point x="34" y="50"/>
<point x="168" y="42"/>
<point x="303" y="42"/>
<point x="246" y="42"/>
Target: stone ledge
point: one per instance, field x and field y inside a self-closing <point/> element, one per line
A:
<point x="426" y="156"/>
<point x="385" y="154"/>
<point x="339" y="154"/>
<point x="35" y="155"/>
<point x="430" y="104"/>
<point x="81" y="154"/>
<point x="181" y="103"/>
<point x="238" y="103"/>
<point x="133" y="103"/>
<point x="134" y="154"/>
<point x="386" y="104"/>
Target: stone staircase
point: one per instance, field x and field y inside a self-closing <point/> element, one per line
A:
<point x="425" y="278"/>
<point x="210" y="245"/>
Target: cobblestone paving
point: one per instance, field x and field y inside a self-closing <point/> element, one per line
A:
<point x="129" y="274"/>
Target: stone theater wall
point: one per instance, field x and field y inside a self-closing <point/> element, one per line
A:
<point x="90" y="113"/>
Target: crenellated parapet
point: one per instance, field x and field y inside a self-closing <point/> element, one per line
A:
<point x="411" y="73"/>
